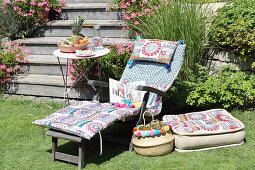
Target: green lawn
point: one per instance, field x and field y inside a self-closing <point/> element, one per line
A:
<point x="22" y="145"/>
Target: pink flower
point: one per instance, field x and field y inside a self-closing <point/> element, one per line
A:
<point x="137" y="34"/>
<point x="107" y="8"/>
<point x="36" y="23"/>
<point x="107" y="38"/>
<point x="128" y="3"/>
<point x="145" y="1"/>
<point x="25" y="60"/>
<point x="133" y="0"/>
<point x="2" y="66"/>
<point x="17" y="67"/>
<point x="47" y="9"/>
<point x="18" y="59"/>
<point x="123" y="28"/>
<point x="9" y="70"/>
<point x="136" y="23"/>
<point x="133" y="15"/>
<point x="113" y="43"/>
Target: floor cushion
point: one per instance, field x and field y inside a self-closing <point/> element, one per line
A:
<point x="205" y="130"/>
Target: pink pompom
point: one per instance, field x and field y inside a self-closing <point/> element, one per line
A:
<point x="124" y="106"/>
<point x="117" y="104"/>
<point x="138" y="134"/>
<point x="152" y="133"/>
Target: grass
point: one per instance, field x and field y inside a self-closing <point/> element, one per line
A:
<point x="22" y="145"/>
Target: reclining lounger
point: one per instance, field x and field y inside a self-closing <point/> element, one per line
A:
<point x="86" y="118"/>
<point x="205" y="130"/>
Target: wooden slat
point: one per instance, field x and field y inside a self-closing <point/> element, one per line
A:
<point x="63" y="135"/>
<point x="67" y="157"/>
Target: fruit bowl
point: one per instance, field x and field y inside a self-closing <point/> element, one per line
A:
<point x="67" y="46"/>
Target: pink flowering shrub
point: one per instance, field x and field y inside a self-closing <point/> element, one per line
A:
<point x="113" y="64"/>
<point x="133" y="11"/>
<point x="30" y="13"/>
<point x="11" y="55"/>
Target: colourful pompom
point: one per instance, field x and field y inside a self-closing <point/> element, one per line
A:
<point x="135" y="133"/>
<point x="157" y="132"/>
<point x="180" y="42"/>
<point x="117" y="104"/>
<point x="170" y="127"/>
<point x="162" y="131"/>
<point x="138" y="126"/>
<point x="129" y="62"/>
<point x="132" y="106"/>
<point x="143" y="134"/>
<point x="137" y="104"/>
<point x="135" y="129"/>
<point x="122" y="103"/>
<point x="148" y="133"/>
<point x="167" y="128"/>
<point x="138" y="134"/>
<point x="138" y="37"/>
<point x="152" y="133"/>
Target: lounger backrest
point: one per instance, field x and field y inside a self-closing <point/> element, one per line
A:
<point x="154" y="74"/>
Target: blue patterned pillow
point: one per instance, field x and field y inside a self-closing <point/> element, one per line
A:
<point x="154" y="50"/>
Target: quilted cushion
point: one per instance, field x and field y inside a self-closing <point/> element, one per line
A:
<point x="85" y="118"/>
<point x="154" y="50"/>
<point x="205" y="130"/>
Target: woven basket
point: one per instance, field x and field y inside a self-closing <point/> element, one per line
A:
<point x="71" y="47"/>
<point x="153" y="145"/>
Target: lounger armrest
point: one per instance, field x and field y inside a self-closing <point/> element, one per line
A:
<point x="98" y="83"/>
<point x="151" y="89"/>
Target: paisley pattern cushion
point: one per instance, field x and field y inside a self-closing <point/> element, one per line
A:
<point x="85" y="118"/>
<point x="215" y="121"/>
<point x="154" y="50"/>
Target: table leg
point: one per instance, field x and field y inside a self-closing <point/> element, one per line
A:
<point x="82" y="75"/>
<point x="64" y="79"/>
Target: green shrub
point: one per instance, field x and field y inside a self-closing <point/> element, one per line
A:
<point x="234" y="28"/>
<point x="228" y="89"/>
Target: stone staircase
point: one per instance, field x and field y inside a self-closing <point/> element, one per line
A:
<point x="42" y="75"/>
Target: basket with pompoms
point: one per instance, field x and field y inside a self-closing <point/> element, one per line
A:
<point x="77" y="41"/>
<point x="153" y="139"/>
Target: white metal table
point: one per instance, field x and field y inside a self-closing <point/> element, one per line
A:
<point x="67" y="56"/>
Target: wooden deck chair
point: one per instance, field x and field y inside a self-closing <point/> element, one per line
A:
<point x="83" y="120"/>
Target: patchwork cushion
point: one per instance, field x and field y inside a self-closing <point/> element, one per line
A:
<point x="85" y="118"/>
<point x="205" y="130"/>
<point x="154" y="50"/>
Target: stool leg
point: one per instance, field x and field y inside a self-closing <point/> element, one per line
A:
<point x="81" y="155"/>
<point x="54" y="148"/>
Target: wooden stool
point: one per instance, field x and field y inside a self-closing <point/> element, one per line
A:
<point x="63" y="156"/>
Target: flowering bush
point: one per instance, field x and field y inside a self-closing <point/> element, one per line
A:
<point x="113" y="64"/>
<point x="11" y="55"/>
<point x="30" y="13"/>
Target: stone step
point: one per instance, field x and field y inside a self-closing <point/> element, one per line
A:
<point x="87" y="1"/>
<point x="62" y="28"/>
<point x="44" y="85"/>
<point x="46" y="45"/>
<point x="43" y="64"/>
<point x="91" y="11"/>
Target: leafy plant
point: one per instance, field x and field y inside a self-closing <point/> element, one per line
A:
<point x="11" y="55"/>
<point x="234" y="29"/>
<point x="229" y="89"/>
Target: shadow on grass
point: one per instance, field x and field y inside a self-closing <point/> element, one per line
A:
<point x="116" y="140"/>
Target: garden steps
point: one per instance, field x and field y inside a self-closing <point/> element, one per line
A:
<point x="41" y="76"/>
<point x="91" y="11"/>
<point x="62" y="28"/>
<point x="44" y="85"/>
<point x="46" y="45"/>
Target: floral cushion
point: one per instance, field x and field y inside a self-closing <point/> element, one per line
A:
<point x="154" y="50"/>
<point x="85" y="118"/>
<point x="215" y="121"/>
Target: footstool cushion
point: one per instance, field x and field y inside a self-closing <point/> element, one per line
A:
<point x="205" y="130"/>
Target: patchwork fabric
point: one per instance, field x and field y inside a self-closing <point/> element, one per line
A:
<point x="216" y="121"/>
<point x="85" y="118"/>
<point x="154" y="50"/>
<point x="155" y="75"/>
